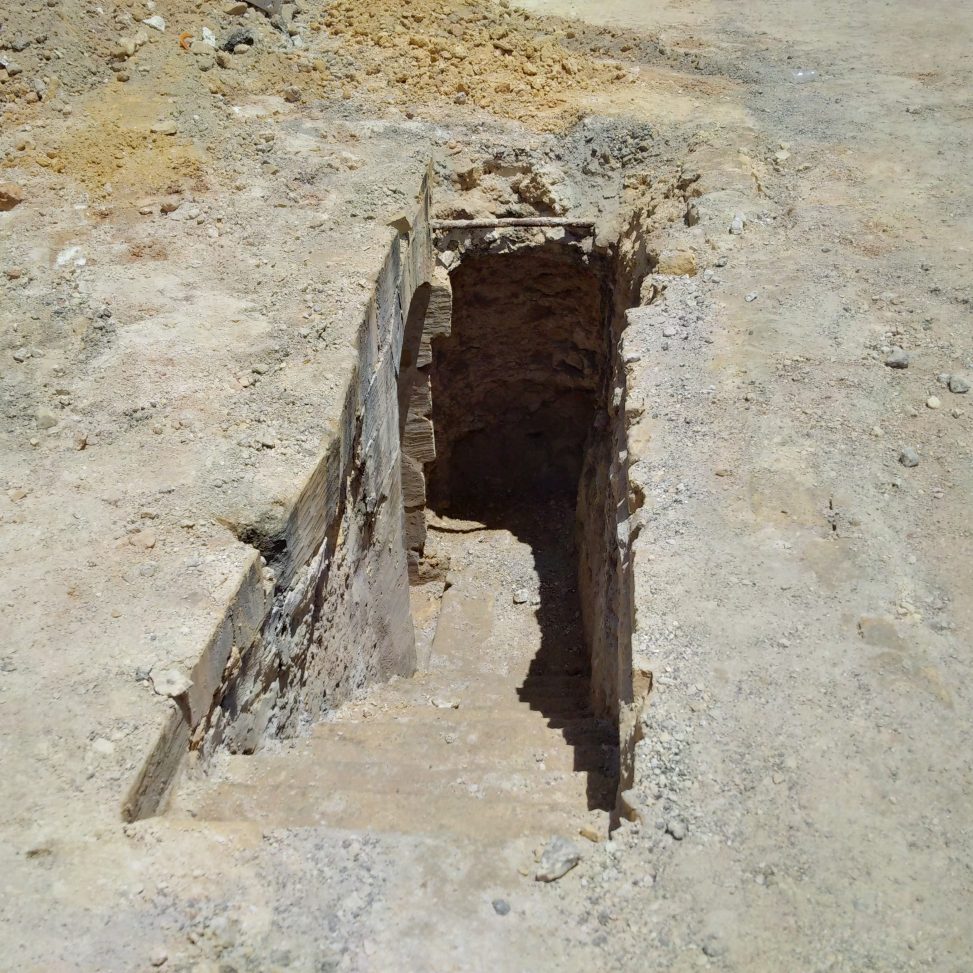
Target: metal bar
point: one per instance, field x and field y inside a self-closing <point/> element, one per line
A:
<point x="499" y="224"/>
<point x="271" y="7"/>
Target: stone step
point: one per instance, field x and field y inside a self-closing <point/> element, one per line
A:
<point x="474" y="696"/>
<point x="554" y="711"/>
<point x="492" y="680"/>
<point x="318" y="770"/>
<point x="512" y="721"/>
<point x="535" y="695"/>
<point x="488" y="680"/>
<point x="403" y="813"/>
<point x="470" y="748"/>
<point x="460" y="749"/>
<point x="547" y="689"/>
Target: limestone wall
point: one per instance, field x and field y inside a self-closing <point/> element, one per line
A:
<point x="324" y="608"/>
<point x="418" y="435"/>
<point x="604" y="503"/>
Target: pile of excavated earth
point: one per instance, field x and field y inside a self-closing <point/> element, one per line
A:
<point x="485" y="486"/>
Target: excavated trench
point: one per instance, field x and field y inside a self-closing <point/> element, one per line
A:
<point x="484" y="461"/>
<point x="519" y="393"/>
<point x="518" y="390"/>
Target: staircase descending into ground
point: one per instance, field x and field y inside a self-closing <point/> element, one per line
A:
<point x="492" y="740"/>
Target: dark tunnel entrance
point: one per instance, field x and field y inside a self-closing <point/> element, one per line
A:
<point x="518" y="405"/>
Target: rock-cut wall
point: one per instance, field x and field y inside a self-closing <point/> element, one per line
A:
<point x="324" y="608"/>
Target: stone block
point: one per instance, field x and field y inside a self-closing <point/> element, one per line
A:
<point x="418" y="440"/>
<point x="413" y="482"/>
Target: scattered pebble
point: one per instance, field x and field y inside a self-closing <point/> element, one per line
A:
<point x="898" y="359"/>
<point x="737" y="224"/>
<point x="677" y="263"/>
<point x="155" y="22"/>
<point x="933" y="402"/>
<point x="11" y="194"/>
<point x="501" y="907"/>
<point x="751" y="297"/>
<point x="235" y="39"/>
<point x="46" y="419"/>
<point x="521" y="596"/>
<point x="909" y="457"/>
<point x="557" y="859"/>
<point x="145" y="539"/>
<point x="958" y="385"/>
<point x="677" y="828"/>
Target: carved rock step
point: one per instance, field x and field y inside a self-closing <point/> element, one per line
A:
<point x="426" y="762"/>
<point x="485" y="682"/>
<point x="348" y="807"/>
<point x="518" y="715"/>
<point x="567" y="700"/>
<point x="473" y="744"/>
<point x="450" y="742"/>
<point x="493" y="742"/>
<point x="316" y="772"/>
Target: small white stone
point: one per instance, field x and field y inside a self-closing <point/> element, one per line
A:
<point x="558" y="858"/>
<point x="155" y="21"/>
<point x="66" y="256"/>
<point x="933" y="402"/>
<point x="171" y="683"/>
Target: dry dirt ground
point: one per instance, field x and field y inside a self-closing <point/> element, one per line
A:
<point x="187" y="242"/>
